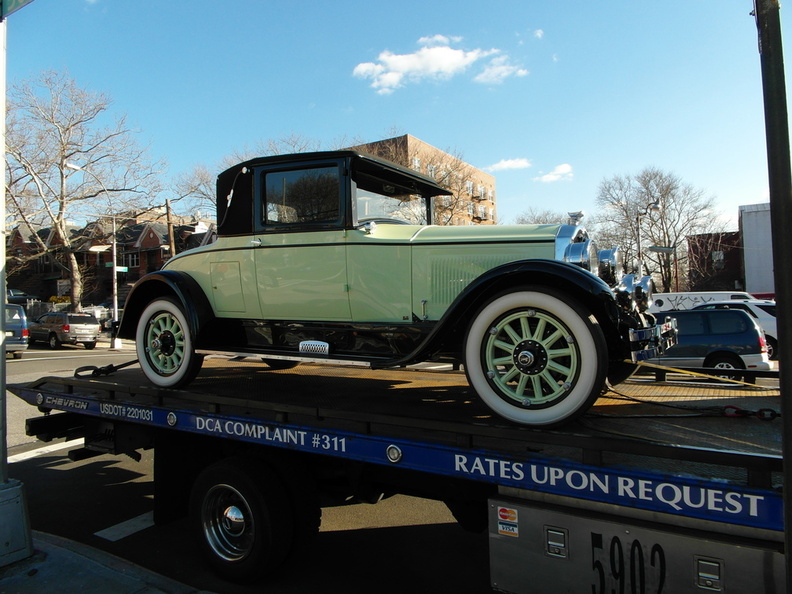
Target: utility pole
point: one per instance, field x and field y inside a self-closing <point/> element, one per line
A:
<point x="768" y="23"/>
<point x="17" y="538"/>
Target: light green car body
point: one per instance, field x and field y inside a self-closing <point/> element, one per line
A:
<point x="298" y="274"/>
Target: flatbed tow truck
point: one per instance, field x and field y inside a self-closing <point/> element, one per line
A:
<point x="661" y="487"/>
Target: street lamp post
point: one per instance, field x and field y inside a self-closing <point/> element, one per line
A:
<point x="115" y="342"/>
<point x="651" y="207"/>
<point x="659" y="249"/>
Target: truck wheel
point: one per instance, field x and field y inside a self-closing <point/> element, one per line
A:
<point x="536" y="357"/>
<point x="165" y="348"/>
<point x="89" y="345"/>
<point x="238" y="509"/>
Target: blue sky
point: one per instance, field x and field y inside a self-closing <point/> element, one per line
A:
<point x="551" y="97"/>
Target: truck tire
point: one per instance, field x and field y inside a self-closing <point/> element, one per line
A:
<point x="238" y="509"/>
<point x="536" y="357"/>
<point x="165" y="348"/>
<point x="53" y="342"/>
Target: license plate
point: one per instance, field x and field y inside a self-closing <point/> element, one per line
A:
<point x="9" y="333"/>
<point x="542" y="550"/>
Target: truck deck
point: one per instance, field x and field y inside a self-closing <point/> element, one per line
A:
<point x="644" y="445"/>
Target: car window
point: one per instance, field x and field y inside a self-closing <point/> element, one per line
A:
<point x="12" y="314"/>
<point x="82" y="319"/>
<point x="728" y="323"/>
<point x="742" y="307"/>
<point x="302" y="196"/>
<point x="691" y="324"/>
<point x="768" y="309"/>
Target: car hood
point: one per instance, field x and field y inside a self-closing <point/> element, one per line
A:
<point x="468" y="234"/>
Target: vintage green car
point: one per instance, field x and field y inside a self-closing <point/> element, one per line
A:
<point x="332" y="257"/>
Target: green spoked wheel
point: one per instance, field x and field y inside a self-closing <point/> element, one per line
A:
<point x="165" y="348"/>
<point x="536" y="357"/>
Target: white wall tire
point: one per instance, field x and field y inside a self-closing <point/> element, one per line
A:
<point x="536" y="357"/>
<point x="164" y="345"/>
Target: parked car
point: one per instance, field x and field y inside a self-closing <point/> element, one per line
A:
<point x="690" y="299"/>
<point x="718" y="338"/>
<point x="332" y="257"/>
<point x="56" y="328"/>
<point x="18" y="297"/>
<point x="16" y="330"/>
<point x="762" y="311"/>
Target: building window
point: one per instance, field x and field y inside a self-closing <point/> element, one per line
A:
<point x="718" y="260"/>
<point x="416" y="164"/>
<point x="131" y="259"/>
<point x="469" y="187"/>
<point x="431" y="171"/>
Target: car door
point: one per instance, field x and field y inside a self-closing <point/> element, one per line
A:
<point x="38" y="329"/>
<point x="300" y="250"/>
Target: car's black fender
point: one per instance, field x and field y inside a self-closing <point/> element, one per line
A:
<point x="166" y="283"/>
<point x="582" y="286"/>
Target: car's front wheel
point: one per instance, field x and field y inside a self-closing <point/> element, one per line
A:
<point x="536" y="357"/>
<point x="165" y="347"/>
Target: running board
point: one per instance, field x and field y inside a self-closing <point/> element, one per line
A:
<point x="302" y="358"/>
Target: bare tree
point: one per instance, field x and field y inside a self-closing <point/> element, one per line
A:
<point x="53" y="127"/>
<point x="534" y="216"/>
<point x="629" y="214"/>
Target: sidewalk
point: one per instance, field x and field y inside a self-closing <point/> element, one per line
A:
<point x="60" y="565"/>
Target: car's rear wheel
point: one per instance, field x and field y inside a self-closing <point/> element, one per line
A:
<point x="165" y="347"/>
<point x="536" y="357"/>
<point x="772" y="347"/>
<point x="724" y="361"/>
<point x="53" y="341"/>
<point x="90" y="345"/>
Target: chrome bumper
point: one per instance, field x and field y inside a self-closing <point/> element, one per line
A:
<point x="648" y="343"/>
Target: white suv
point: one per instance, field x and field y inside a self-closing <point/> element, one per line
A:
<point x="762" y="311"/>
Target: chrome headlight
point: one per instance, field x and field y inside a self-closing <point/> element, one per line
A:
<point x="634" y="292"/>
<point x="611" y="266"/>
<point x="583" y="254"/>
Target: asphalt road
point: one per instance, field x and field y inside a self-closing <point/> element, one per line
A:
<point x="402" y="544"/>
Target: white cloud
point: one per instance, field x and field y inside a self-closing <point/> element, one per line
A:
<point x="498" y="70"/>
<point x="438" y="40"/>
<point x="435" y="60"/>
<point x="539" y="33"/>
<point x="563" y="171"/>
<point x="505" y="164"/>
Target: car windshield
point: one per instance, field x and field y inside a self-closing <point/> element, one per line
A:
<point x="82" y="319"/>
<point x="768" y="309"/>
<point x="377" y="199"/>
